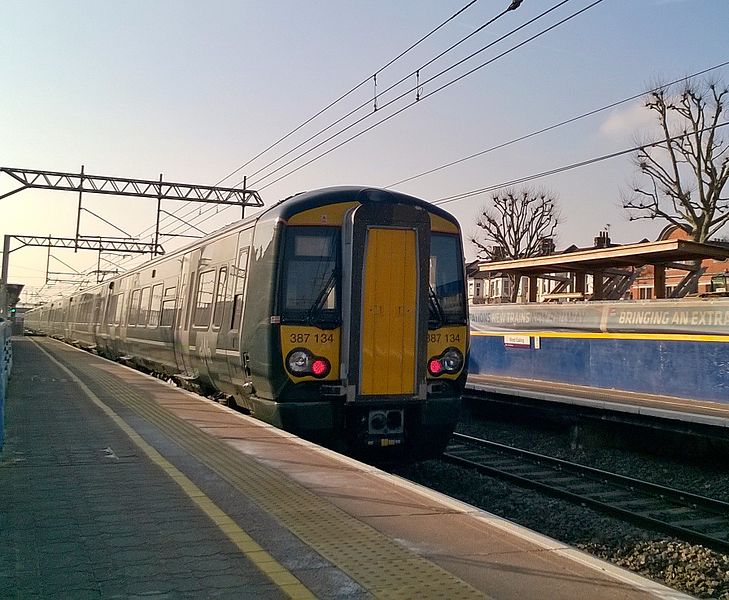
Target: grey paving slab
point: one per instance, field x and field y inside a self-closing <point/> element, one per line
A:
<point x="84" y="515"/>
<point x="90" y="516"/>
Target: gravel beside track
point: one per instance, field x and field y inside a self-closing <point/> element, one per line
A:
<point x="689" y="568"/>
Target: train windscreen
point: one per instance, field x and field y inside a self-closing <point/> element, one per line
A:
<point x="311" y="258"/>
<point x="447" y="301"/>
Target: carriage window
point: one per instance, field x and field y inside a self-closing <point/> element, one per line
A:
<point x="119" y="308"/>
<point x="155" y="306"/>
<point x="134" y="308"/>
<point x="204" y="302"/>
<point x="111" y="309"/>
<point x="447" y="303"/>
<point x="168" y="307"/>
<point x="144" y="307"/>
<point x="310" y="274"/>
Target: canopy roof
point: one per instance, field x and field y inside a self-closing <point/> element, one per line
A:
<point x="615" y="257"/>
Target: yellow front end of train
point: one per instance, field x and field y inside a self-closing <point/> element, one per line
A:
<point x="372" y="320"/>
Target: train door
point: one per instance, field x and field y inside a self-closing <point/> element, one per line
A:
<point x="385" y="335"/>
<point x="182" y="343"/>
<point x="202" y="343"/>
<point x="235" y="298"/>
<point x="388" y="330"/>
<point x="96" y="324"/>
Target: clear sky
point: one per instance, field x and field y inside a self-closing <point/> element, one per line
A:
<point x="194" y="90"/>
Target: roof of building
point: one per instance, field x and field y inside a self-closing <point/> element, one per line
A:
<point x="612" y="257"/>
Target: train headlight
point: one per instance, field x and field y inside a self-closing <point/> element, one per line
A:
<point x="450" y="362"/>
<point x="378" y="421"/>
<point x="301" y="363"/>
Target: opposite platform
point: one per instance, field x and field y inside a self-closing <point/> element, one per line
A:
<point x="114" y="485"/>
<point x="700" y="412"/>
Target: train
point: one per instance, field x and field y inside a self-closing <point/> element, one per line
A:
<point x="339" y="315"/>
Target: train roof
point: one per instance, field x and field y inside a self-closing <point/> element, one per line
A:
<point x="315" y="198"/>
<point x="284" y="209"/>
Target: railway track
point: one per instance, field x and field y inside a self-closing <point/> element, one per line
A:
<point x="690" y="517"/>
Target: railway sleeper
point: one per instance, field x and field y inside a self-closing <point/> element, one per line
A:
<point x="671" y="512"/>
<point x="700" y="523"/>
<point x="646" y="503"/>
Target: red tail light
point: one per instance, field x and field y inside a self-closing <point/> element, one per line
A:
<point x="450" y="362"/>
<point x="301" y="363"/>
<point x="435" y="367"/>
<point x="320" y="367"/>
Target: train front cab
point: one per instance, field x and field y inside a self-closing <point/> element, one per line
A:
<point x="373" y="331"/>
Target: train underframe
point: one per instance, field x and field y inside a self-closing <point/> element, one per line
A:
<point x="379" y="430"/>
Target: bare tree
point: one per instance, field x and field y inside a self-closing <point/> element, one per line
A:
<point x="515" y="225"/>
<point x="685" y="173"/>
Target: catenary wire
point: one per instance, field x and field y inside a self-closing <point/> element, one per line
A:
<point x="562" y="169"/>
<point x="556" y="125"/>
<point x="582" y="163"/>
<point x="356" y="87"/>
<point x="397" y="84"/>
<point x="411" y="104"/>
<point x="514" y="4"/>
<point x="180" y="228"/>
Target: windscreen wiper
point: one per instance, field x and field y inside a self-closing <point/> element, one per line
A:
<point x="436" y="310"/>
<point x="313" y="314"/>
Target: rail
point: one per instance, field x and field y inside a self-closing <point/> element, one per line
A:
<point x="6" y="363"/>
<point x="688" y="516"/>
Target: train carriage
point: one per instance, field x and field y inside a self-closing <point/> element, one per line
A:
<point x="339" y="315"/>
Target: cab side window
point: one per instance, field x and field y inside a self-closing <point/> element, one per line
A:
<point x="240" y="274"/>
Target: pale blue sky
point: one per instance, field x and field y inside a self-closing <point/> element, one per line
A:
<point x="193" y="90"/>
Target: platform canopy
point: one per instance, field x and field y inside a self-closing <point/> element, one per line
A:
<point x="617" y="266"/>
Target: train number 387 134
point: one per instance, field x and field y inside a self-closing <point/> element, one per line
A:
<point x="450" y="338"/>
<point x="319" y="338"/>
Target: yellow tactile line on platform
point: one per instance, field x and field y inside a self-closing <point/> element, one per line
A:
<point x="381" y="566"/>
<point x="261" y="559"/>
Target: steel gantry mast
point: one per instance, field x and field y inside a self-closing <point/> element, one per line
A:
<point x="137" y="188"/>
<point x="112" y="186"/>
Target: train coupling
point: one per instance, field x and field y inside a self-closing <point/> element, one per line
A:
<point x="385" y="427"/>
<point x="332" y="390"/>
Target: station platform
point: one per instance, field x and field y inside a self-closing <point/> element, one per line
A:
<point x="685" y="410"/>
<point x="114" y="484"/>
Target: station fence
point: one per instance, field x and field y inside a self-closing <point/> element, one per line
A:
<point x="6" y="363"/>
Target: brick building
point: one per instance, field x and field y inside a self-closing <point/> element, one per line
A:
<point x="606" y="271"/>
<point x="714" y="271"/>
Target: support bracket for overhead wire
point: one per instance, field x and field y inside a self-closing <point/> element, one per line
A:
<point x="122" y="186"/>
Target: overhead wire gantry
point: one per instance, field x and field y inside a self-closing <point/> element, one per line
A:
<point x="112" y="186"/>
<point x="137" y="188"/>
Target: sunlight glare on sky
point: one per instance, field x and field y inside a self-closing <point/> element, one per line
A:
<point x="194" y="90"/>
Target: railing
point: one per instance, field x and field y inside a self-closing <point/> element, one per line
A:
<point x="6" y="363"/>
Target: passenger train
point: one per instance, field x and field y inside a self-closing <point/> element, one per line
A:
<point x="339" y="315"/>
